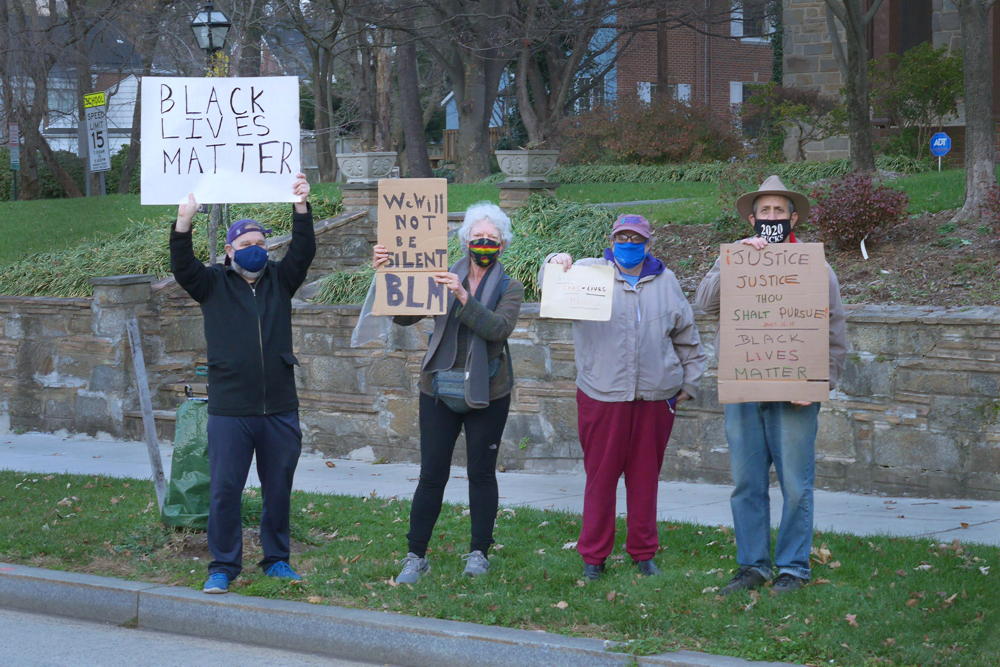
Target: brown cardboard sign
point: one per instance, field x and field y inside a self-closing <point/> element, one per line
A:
<point x="413" y="225"/>
<point x="774" y="323"/>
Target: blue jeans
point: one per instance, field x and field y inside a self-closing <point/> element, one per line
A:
<point x="760" y="434"/>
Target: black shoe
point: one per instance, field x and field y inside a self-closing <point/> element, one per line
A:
<point x="647" y="568"/>
<point x="786" y="583"/>
<point x="593" y="572"/>
<point x="744" y="579"/>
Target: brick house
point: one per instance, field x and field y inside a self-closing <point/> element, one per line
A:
<point x="714" y="60"/>
<point x="899" y="25"/>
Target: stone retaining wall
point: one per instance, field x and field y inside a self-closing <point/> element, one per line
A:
<point x="917" y="413"/>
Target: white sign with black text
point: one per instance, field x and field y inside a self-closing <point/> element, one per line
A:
<point x="227" y="140"/>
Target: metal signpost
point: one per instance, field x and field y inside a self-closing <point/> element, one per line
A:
<point x="14" y="147"/>
<point x="940" y="145"/>
<point x="98" y="150"/>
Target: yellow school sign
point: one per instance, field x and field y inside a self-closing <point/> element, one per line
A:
<point x="94" y="100"/>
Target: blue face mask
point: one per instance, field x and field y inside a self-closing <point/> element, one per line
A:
<point x="628" y="255"/>
<point x="252" y="258"/>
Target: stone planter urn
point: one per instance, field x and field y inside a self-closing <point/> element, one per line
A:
<point x="527" y="165"/>
<point x="366" y="167"/>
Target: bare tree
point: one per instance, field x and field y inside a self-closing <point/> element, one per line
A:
<point x="473" y="41"/>
<point x="980" y="157"/>
<point x="320" y="23"/>
<point x="851" y="54"/>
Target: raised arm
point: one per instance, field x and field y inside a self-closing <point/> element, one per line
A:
<point x="292" y="269"/>
<point x="190" y="274"/>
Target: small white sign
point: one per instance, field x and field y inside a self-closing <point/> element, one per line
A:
<point x="582" y="293"/>
<point x="227" y="140"/>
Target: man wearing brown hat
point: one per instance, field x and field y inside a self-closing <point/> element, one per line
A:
<point x="632" y="372"/>
<point x="246" y="304"/>
<point x="782" y="433"/>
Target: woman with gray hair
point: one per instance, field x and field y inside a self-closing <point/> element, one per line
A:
<point x="465" y="382"/>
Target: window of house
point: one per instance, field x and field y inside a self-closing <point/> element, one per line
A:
<point x="645" y="90"/>
<point x="62" y="107"/>
<point x="591" y="98"/>
<point x="749" y="20"/>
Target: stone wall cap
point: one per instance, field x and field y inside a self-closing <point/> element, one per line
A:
<point x="122" y="281"/>
<point x="359" y="186"/>
<point x="527" y="185"/>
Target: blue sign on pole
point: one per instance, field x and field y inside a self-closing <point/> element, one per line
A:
<point x="940" y="144"/>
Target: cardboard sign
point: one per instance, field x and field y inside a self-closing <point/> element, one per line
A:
<point x="227" y="140"/>
<point x="413" y="225"/>
<point x="582" y="293"/>
<point x="774" y="323"/>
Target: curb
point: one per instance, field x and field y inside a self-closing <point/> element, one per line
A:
<point x="353" y="634"/>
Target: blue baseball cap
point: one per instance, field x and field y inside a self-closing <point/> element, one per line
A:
<point x="241" y="227"/>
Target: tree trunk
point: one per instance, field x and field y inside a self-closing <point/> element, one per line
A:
<point x="418" y="165"/>
<point x="250" y="37"/>
<point x="474" y="99"/>
<point x="532" y="124"/>
<point x="980" y="156"/>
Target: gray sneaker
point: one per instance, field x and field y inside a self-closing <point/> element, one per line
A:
<point x="414" y="567"/>
<point x="476" y="564"/>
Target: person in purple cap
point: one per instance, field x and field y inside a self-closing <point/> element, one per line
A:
<point x="631" y="373"/>
<point x="246" y="303"/>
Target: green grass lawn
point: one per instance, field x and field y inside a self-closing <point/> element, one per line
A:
<point x="872" y="600"/>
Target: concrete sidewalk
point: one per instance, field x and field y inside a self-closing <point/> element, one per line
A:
<point x="940" y="519"/>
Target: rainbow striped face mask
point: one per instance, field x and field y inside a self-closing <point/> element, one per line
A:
<point x="484" y="252"/>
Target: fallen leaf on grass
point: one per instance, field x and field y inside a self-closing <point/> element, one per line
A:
<point x="710" y="589"/>
<point x="912" y="602"/>
<point x="562" y="604"/>
<point x="611" y="596"/>
<point x="851" y="620"/>
<point x="569" y="545"/>
<point x="822" y="554"/>
<point x="818" y="582"/>
<point x="985" y="570"/>
<point x="314" y="599"/>
<point x="833" y="565"/>
<point x="392" y="582"/>
<point x="924" y="567"/>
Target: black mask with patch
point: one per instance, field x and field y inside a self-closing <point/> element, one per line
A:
<point x="773" y="231"/>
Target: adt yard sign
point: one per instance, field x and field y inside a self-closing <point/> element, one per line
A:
<point x="940" y="145"/>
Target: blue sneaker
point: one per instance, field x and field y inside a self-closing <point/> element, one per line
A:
<point x="282" y="570"/>
<point x="217" y="582"/>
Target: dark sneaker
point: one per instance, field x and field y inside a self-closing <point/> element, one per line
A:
<point x="647" y="568"/>
<point x="593" y="572"/>
<point x="744" y="579"/>
<point x="217" y="582"/>
<point x="282" y="570"/>
<point x="476" y="564"/>
<point x="786" y="583"/>
<point x="414" y="567"/>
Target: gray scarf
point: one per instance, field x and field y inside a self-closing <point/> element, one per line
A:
<point x="441" y="348"/>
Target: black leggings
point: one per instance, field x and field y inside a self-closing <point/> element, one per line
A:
<point x="439" y="428"/>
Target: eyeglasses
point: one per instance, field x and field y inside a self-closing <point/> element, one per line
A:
<point x="629" y="238"/>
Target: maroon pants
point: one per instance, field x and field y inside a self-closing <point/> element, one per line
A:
<point x="626" y="437"/>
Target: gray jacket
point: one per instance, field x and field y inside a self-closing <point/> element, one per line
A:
<point x="707" y="299"/>
<point x="649" y="350"/>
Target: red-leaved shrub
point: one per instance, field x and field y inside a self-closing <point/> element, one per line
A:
<point x="854" y="207"/>
<point x="662" y="131"/>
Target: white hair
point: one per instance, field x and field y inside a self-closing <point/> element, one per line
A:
<point x="489" y="211"/>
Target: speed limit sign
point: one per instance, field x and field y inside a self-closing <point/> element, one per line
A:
<point x="98" y="150"/>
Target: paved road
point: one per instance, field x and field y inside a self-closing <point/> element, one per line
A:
<point x="31" y="640"/>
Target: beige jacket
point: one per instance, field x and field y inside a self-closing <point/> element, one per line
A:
<point x="707" y="299"/>
<point x="649" y="350"/>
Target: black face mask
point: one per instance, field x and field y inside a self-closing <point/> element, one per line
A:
<point x="773" y="231"/>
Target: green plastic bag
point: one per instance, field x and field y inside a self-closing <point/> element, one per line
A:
<point x="188" y="496"/>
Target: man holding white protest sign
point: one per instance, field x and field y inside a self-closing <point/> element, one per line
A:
<point x="252" y="401"/>
<point x="775" y="351"/>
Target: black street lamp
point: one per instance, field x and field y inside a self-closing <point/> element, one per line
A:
<point x="210" y="29"/>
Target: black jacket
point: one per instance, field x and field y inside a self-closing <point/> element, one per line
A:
<point x="248" y="328"/>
